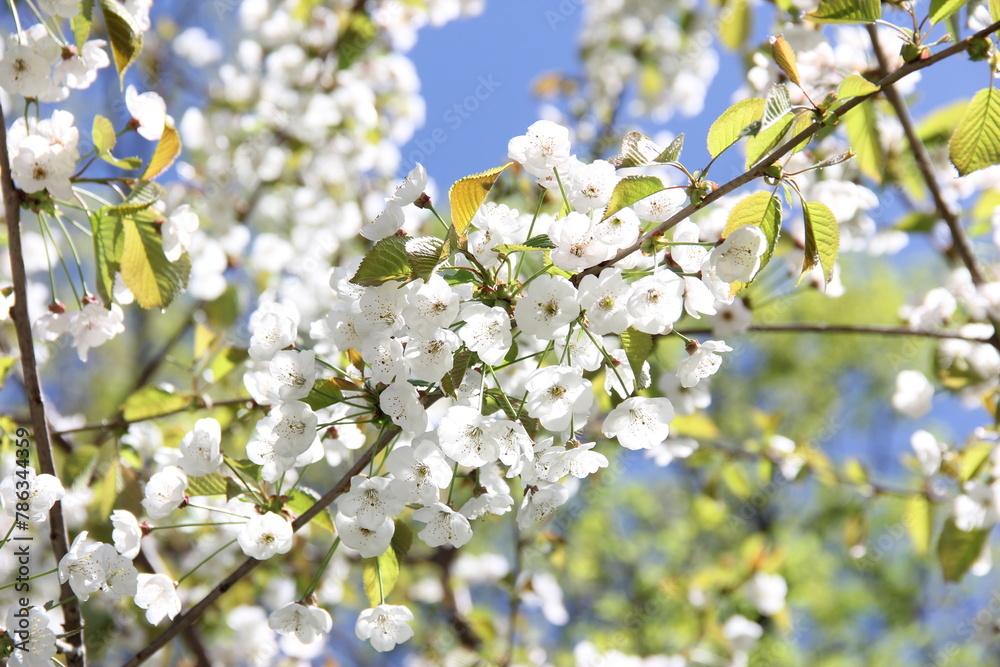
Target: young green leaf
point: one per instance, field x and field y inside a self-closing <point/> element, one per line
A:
<point x="735" y="24"/>
<point x="143" y="195"/>
<point x="379" y="581"/>
<point x="167" y="150"/>
<point x="730" y="126"/>
<point x="942" y="9"/>
<point x="124" y="35"/>
<point x="995" y="10"/>
<point x="822" y="241"/>
<point x="957" y="549"/>
<point x="300" y="500"/>
<point x="638" y="150"/>
<point x="212" y="484"/>
<point x="764" y="141"/>
<point x="846" y="11"/>
<point x="80" y="24"/>
<point x="126" y="163"/>
<point x="854" y="85"/>
<point x="103" y="134"/>
<point x="784" y="58"/>
<point x="919" y="521"/>
<point x="539" y="242"/>
<point x="777" y="104"/>
<point x="672" y="153"/>
<point x="154" y="280"/>
<point x="387" y="260"/>
<point x="637" y="345"/>
<point x="629" y="190"/>
<point x="862" y="133"/>
<point x="109" y="242"/>
<point x="468" y="194"/>
<point x="761" y="209"/>
<point x="976" y="142"/>
<point x="358" y="34"/>
<point x="425" y="255"/>
<point x="150" y="402"/>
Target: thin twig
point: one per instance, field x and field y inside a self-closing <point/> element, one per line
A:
<point x="110" y="424"/>
<point x="32" y="384"/>
<point x="864" y="329"/>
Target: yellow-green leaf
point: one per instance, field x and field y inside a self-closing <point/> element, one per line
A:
<point x="733" y="124"/>
<point x="143" y="195"/>
<point x="766" y="140"/>
<point x="109" y="242"/>
<point x="846" y="11"/>
<point x="150" y="402"/>
<point x="942" y="9"/>
<point x="469" y="193"/>
<point x="784" y="58"/>
<point x="735" y="24"/>
<point x="761" y="209"/>
<point x="124" y="35"/>
<point x="300" y="500"/>
<point x="918" y="517"/>
<point x="938" y="126"/>
<point x="629" y="190"/>
<point x="637" y="345"/>
<point x="80" y="24"/>
<point x="6" y="363"/>
<point x="167" y="150"/>
<point x="212" y="484"/>
<point x="976" y="142"/>
<point x="106" y="490"/>
<point x="854" y="85"/>
<point x="154" y="280"/>
<point x="103" y="134"/>
<point x="672" y="153"/>
<point x="381" y="579"/>
<point x="822" y="238"/>
<point x="358" y="33"/>
<point x="425" y="255"/>
<point x="862" y="133"/>
<point x="958" y="550"/>
<point x="387" y="260"/>
<point x="995" y="10"/>
<point x="638" y="150"/>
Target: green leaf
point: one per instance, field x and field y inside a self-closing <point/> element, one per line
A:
<point x="766" y="140"/>
<point x="402" y="538"/>
<point x="154" y="280"/>
<point x="103" y="134"/>
<point x="81" y="23"/>
<point x="106" y="490"/>
<point x="424" y="254"/>
<point x="358" y="34"/>
<point x="846" y="11"/>
<point x="167" y="150"/>
<point x="957" y="550"/>
<point x="918" y="517"/>
<point x="938" y="126"/>
<point x="387" y="260"/>
<point x="247" y="468"/>
<point x="855" y="85"/>
<point x="378" y="587"/>
<point x="995" y="10"/>
<point x="225" y="362"/>
<point x="324" y="393"/>
<point x="468" y="194"/>
<point x="539" y="242"/>
<point x="730" y="126"/>
<point x="735" y="24"/>
<point x="150" y="402"/>
<point x="822" y="238"/>
<point x="942" y="9"/>
<point x="6" y="363"/>
<point x="971" y="460"/>
<point x="784" y="58"/>
<point x="109" y="242"/>
<point x="629" y="190"/>
<point x="124" y="35"/>
<point x="212" y="484"/>
<point x="761" y="209"/>
<point x="122" y="162"/>
<point x="638" y="150"/>
<point x="976" y="142"/>
<point x="454" y="378"/>
<point x="776" y="105"/>
<point x="672" y="153"/>
<point x="637" y="345"/>
<point x="301" y="499"/>
<point x="917" y="221"/>
<point x="143" y="195"/>
<point x="862" y="132"/>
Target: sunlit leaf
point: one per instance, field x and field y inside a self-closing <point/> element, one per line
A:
<point x="469" y="193"/>
<point x="822" y="242"/>
<point x="730" y="126"/>
<point x="976" y="142"/>
<point x="167" y="150"/>
<point x="629" y="190"/>
<point x="154" y="280"/>
<point x="846" y="11"/>
<point x="387" y="260"/>
<point x="957" y="550"/>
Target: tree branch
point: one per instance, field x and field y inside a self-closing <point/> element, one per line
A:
<point x="864" y="329"/>
<point x="58" y="536"/>
<point x="758" y="169"/>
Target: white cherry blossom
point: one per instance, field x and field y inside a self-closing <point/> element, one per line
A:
<point x="444" y="526"/>
<point x="157" y="594"/>
<point x="385" y="626"/>
<point x="265" y="535"/>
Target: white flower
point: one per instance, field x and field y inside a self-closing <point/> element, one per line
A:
<point x="121" y="575"/>
<point x="688" y="257"/>
<point x="767" y="592"/>
<point x="402" y="403"/>
<point x="656" y="301"/>
<point x="271" y="332"/>
<point x="577" y="245"/>
<point x="306" y="622"/>
<point x="914" y="394"/>
<point x="149" y="110"/>
<point x="38" y="165"/>
<point x="384" y="356"/>
<point x="430" y="357"/>
<point x="548" y="304"/>
<point x="93" y="326"/>
<point x="698" y="298"/>
<point x="290" y="427"/>
<point x="701" y="363"/>
<point x="83" y="566"/>
<point x="928" y="450"/>
<point x="368" y="543"/>
<point x="659" y="206"/>
<point x="579" y="461"/>
<point x="385" y="625"/>
<point x="157" y="594"/>
<point x="434" y="305"/>
<point x="386" y="223"/>
<point x="544" y="146"/>
<point x="514" y="445"/>
<point x="80" y="71"/>
<point x="782" y="450"/>
<point x="33" y="637"/>
<point x="265" y="535"/>
<point x="976" y="508"/>
<point x="486" y="331"/>
<point x="201" y="452"/>
<point x="127" y="533"/>
<point x="419" y="472"/>
<point x="178" y="230"/>
<point x="36" y="494"/>
<point x="741" y="633"/>
<point x="411" y="187"/>
<point x="640" y="422"/>
<point x="540" y="504"/>
<point x="731" y="319"/>
<point x="664" y="453"/>
<point x="6" y="303"/>
<point x="23" y="72"/>
<point x="294" y="373"/>
<point x="444" y="526"/>
<point x="738" y="258"/>
<point x="370" y="501"/>
<point x="164" y="492"/>
<point x="467" y="437"/>
<point x="605" y="298"/>
<point x="381" y="309"/>
<point x="557" y="395"/>
<point x="496" y="498"/>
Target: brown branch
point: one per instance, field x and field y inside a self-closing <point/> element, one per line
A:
<point x="864" y="329"/>
<point x="110" y="424"/>
<point x="187" y="619"/>
<point x="33" y="388"/>
<point x="758" y="169"/>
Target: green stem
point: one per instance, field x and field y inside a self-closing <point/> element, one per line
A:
<point x="43" y="574"/>
<point x="206" y="559"/>
<point x="195" y="525"/>
<point x="314" y="584"/>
